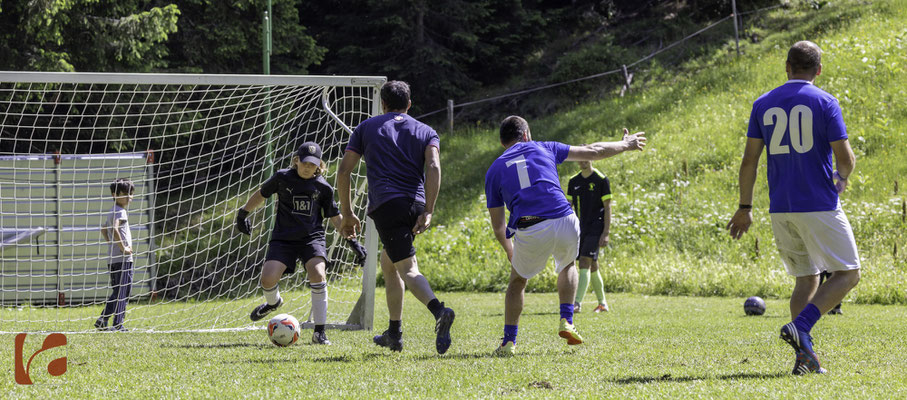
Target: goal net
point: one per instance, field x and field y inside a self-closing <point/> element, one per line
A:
<point x="196" y="147"/>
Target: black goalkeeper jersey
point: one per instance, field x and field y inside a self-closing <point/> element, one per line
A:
<point x="588" y="196"/>
<point x="302" y="205"/>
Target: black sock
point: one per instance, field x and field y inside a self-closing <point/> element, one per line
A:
<point x="435" y="307"/>
<point x="319" y="328"/>
<point x="394" y="329"/>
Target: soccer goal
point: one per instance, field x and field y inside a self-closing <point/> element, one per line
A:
<point x="195" y="146"/>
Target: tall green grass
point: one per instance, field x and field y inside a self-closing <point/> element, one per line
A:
<point x="673" y="200"/>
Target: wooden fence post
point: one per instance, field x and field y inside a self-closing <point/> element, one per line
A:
<point x="736" y="34"/>
<point x="450" y="116"/>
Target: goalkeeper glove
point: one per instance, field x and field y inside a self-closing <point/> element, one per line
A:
<point x="358" y="249"/>
<point x="242" y="224"/>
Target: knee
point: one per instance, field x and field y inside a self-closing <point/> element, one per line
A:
<point x="854" y="277"/>
<point x="518" y="282"/>
<point x="594" y="267"/>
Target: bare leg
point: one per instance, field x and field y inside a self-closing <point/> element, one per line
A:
<point x="834" y="289"/>
<point x="394" y="286"/>
<point x="314" y="269"/>
<point x="804" y="289"/>
<point x="418" y="285"/>
<point x="513" y="299"/>
<point x="566" y="284"/>
<point x="271" y="273"/>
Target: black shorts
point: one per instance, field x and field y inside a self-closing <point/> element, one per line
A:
<point x="394" y="221"/>
<point x="588" y="246"/>
<point x="288" y="252"/>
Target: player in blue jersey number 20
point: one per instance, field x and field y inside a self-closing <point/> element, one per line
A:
<point x="800" y="126"/>
<point x="541" y="223"/>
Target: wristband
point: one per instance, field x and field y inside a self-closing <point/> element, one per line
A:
<point x="242" y="214"/>
<point x="746" y="207"/>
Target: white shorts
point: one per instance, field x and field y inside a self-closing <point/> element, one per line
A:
<point x="812" y="242"/>
<point x="533" y="245"/>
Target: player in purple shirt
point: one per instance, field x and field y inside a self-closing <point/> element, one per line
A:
<point x="801" y="127"/>
<point x="404" y="176"/>
<point x="541" y="222"/>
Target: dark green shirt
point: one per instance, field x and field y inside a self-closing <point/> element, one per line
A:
<point x="588" y="196"/>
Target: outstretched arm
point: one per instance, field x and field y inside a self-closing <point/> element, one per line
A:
<point x="499" y="225"/>
<point x="349" y="226"/>
<point x="255" y="201"/>
<point x="600" y="150"/>
<point x="743" y="218"/>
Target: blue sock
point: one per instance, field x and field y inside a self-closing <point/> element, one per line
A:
<point x="567" y="312"/>
<point x="509" y="334"/>
<point x="807" y="318"/>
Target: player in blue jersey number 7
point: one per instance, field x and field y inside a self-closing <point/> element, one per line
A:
<point x="541" y="222"/>
<point x="801" y="127"/>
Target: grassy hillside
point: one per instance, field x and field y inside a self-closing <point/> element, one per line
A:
<point x="673" y="200"/>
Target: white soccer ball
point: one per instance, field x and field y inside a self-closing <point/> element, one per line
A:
<point x="283" y="330"/>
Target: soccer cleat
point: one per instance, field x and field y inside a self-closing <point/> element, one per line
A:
<point x="800" y="369"/>
<point x="119" y="328"/>
<point x="505" y="350"/>
<point x="577" y="306"/>
<point x="264" y="309"/>
<point x="320" y="338"/>
<point x="101" y="324"/>
<point x="601" y="308"/>
<point x="442" y="329"/>
<point x="803" y="346"/>
<point x="836" y="310"/>
<point x="386" y="340"/>
<point x="568" y="331"/>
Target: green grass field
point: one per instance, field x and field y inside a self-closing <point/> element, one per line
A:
<point x="666" y="347"/>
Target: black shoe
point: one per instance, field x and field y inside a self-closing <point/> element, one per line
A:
<point x="386" y="340"/>
<point x="264" y="309"/>
<point x="442" y="329"/>
<point x="836" y="310"/>
<point x="101" y="324"/>
<point x="320" y="338"/>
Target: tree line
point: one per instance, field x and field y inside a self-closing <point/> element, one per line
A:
<point x="444" y="48"/>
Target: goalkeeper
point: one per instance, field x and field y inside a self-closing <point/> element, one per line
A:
<point x="305" y="198"/>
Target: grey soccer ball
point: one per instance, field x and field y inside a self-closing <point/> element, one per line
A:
<point x="754" y="306"/>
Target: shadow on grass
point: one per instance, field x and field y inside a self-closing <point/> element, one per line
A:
<point x="668" y="378"/>
<point x="214" y="346"/>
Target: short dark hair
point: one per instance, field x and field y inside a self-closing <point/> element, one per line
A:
<point x="804" y="57"/>
<point x="121" y="185"/>
<point x="395" y="95"/>
<point x="512" y="128"/>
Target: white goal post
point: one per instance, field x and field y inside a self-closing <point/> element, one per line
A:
<point x="196" y="147"/>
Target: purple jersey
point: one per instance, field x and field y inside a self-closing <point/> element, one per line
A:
<point x="393" y="147"/>
<point x="525" y="179"/>
<point x="798" y="122"/>
<point x="302" y="205"/>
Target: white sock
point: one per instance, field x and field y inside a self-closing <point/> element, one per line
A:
<point x="272" y="295"/>
<point x="319" y="303"/>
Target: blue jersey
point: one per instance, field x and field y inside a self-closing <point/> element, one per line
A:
<point x="525" y="179"/>
<point x="798" y="122"/>
<point x="393" y="147"/>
